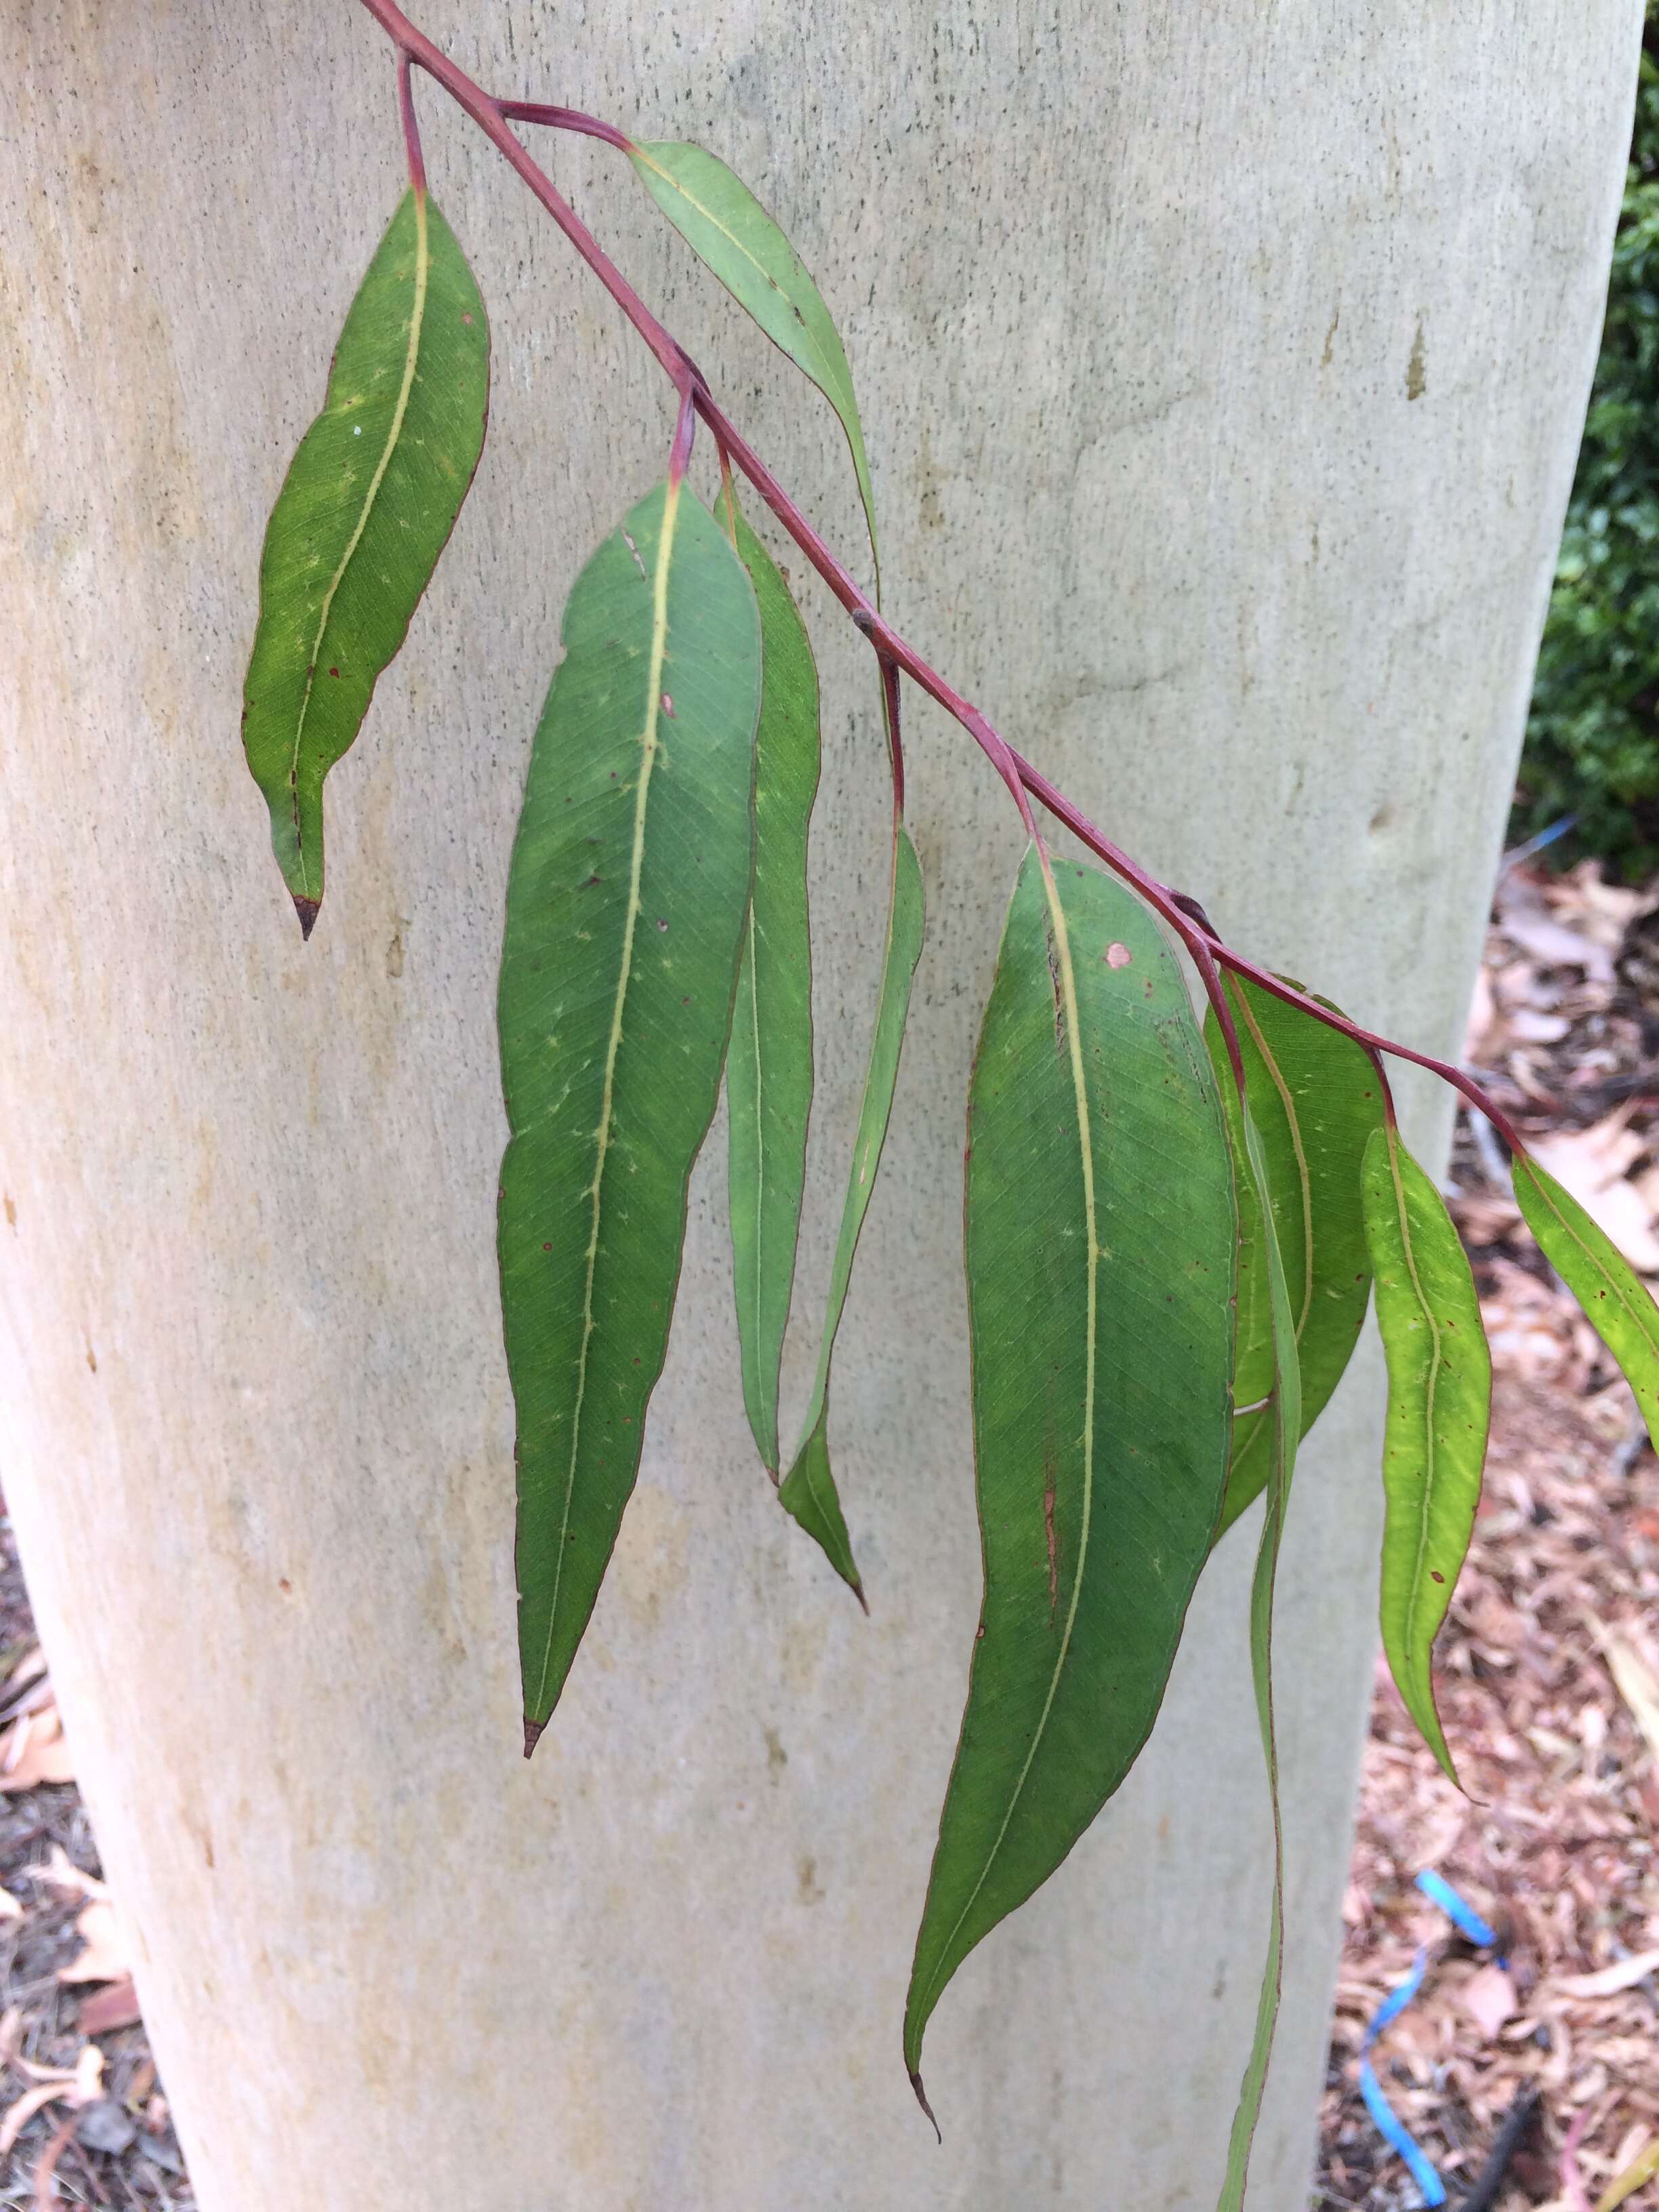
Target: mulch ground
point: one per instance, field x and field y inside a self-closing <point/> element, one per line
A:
<point x="1549" y="1686"/>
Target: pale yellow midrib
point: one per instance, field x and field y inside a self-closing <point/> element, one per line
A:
<point x="648" y="755"/>
<point x="417" y="316"/>
<point x="1068" y="986"/>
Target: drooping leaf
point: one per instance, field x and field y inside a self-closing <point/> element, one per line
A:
<point x="768" y="1069"/>
<point x="1439" y="1398"/>
<point x="367" y="505"/>
<point x="1286" y="1424"/>
<point x="729" y="230"/>
<point x="624" y="923"/>
<point x="1619" y="1304"/>
<point x="808" y="1490"/>
<point x="1316" y="1100"/>
<point x="1101" y="1241"/>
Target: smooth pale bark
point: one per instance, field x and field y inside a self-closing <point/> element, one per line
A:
<point x="1223" y="367"/>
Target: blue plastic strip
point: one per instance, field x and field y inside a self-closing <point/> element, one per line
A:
<point x="1458" y="1910"/>
<point x="1389" y="2125"/>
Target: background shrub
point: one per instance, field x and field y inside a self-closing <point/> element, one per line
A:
<point x="1592" y="744"/>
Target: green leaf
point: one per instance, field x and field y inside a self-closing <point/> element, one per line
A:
<point x="809" y="1489"/>
<point x="768" y="1069"/>
<point x="1286" y="1424"/>
<point x="1439" y="1397"/>
<point x="1619" y="1305"/>
<point x="729" y="230"/>
<point x="624" y="923"/>
<point x="1101" y="1240"/>
<point x="1316" y="1100"/>
<point x="366" y="509"/>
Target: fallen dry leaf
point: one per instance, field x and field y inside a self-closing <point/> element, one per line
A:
<point x="61" y="1871"/>
<point x="108" y="1954"/>
<point x="1623" y="1974"/>
<point x="1528" y="923"/>
<point x="115" y="2007"/>
<point x="33" y="1750"/>
<point x="45" y="2186"/>
<point x="1593" y="1165"/>
<point x="78" y="2086"/>
<point x="1637" y="1684"/>
<point x="1488" y="1997"/>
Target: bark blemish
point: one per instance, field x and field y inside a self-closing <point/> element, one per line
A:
<point x="1417" y="378"/>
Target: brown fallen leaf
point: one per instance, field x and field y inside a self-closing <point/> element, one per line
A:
<point x="115" y="2007"/>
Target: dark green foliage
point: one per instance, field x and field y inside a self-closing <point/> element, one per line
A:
<point x="1592" y="739"/>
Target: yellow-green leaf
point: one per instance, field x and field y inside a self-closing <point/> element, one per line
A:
<point x="1619" y="1304"/>
<point x="808" y="1492"/>
<point x="1315" y="1098"/>
<point x="1439" y="1401"/>
<point x="729" y="230"/>
<point x="768" y="1067"/>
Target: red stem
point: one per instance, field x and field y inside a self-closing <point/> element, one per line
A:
<point x="889" y="709"/>
<point x="411" y="128"/>
<point x="1024" y="782"/>
<point x="685" y="429"/>
<point x="563" y="119"/>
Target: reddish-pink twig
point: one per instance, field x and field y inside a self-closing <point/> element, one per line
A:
<point x="1024" y="782"/>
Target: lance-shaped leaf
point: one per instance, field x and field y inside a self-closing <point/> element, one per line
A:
<point x="1286" y="1424"/>
<point x="1101" y="1238"/>
<point x="367" y="507"/>
<point x="624" y="923"/>
<point x="1439" y="1398"/>
<point x="729" y="230"/>
<point x="809" y="1489"/>
<point x="1619" y="1304"/>
<point x="1315" y="1099"/>
<point x="769" y="1068"/>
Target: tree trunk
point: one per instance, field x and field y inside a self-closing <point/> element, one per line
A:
<point x="1224" y="367"/>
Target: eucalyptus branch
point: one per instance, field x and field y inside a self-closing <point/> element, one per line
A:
<point x="1165" y="1285"/>
<point x="1203" y="943"/>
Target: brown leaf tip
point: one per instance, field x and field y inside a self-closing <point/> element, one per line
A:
<point x="307" y="910"/>
<point x="858" y="1592"/>
<point x="922" y="2098"/>
<point x="532" y="1733"/>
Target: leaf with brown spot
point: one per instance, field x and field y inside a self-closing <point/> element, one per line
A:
<point x="1101" y="1238"/>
